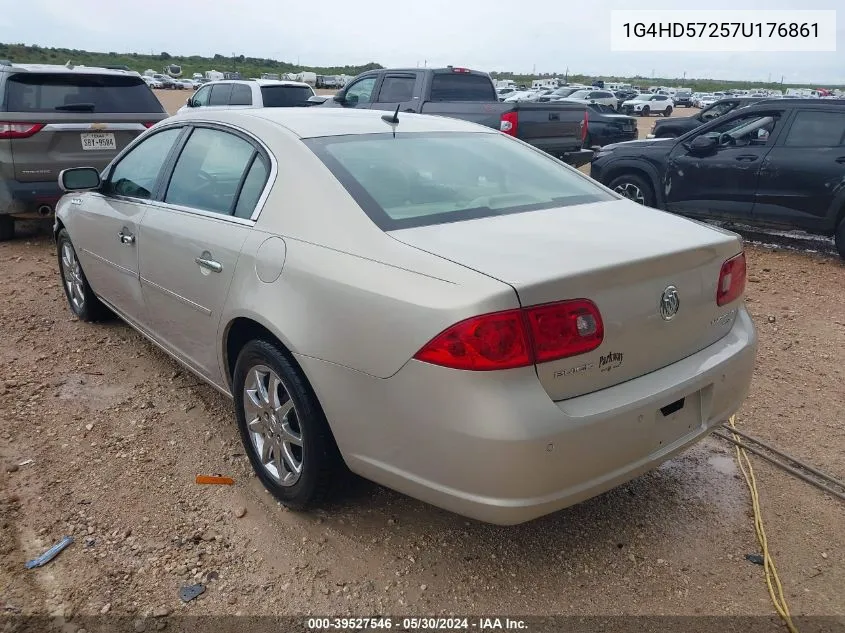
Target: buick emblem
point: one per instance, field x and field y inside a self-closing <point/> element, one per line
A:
<point x="669" y="303"/>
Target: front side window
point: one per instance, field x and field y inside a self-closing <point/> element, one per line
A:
<point x="201" y="97"/>
<point x="209" y="171"/>
<point x="361" y="91"/>
<point x="137" y="172"/>
<point x="421" y="179"/>
<point x="752" y="129"/>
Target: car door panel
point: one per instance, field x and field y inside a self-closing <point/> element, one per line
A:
<point x="721" y="185"/>
<point x="187" y="261"/>
<point x="104" y="232"/>
<point x="189" y="242"/>
<point x="802" y="181"/>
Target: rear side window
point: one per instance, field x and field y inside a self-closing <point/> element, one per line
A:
<point x="285" y="96"/>
<point x="817" y="129"/>
<point x="220" y="94"/>
<point x="462" y="87"/>
<point x="241" y="95"/>
<point x="252" y="187"/>
<point x="72" y="92"/>
<point x="209" y="171"/>
<point x="397" y="89"/>
<point x="423" y="179"/>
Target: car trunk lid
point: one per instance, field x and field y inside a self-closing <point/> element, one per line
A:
<point x="619" y="255"/>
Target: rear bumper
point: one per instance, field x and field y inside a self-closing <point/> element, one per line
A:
<point x="607" y="138"/>
<point x="493" y="446"/>
<point x="576" y="158"/>
<point x="26" y="197"/>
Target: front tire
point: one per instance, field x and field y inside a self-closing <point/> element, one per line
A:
<point x="80" y="298"/>
<point x="667" y="111"/>
<point x="283" y="427"/>
<point x="7" y="228"/>
<point x="646" y="111"/>
<point x="839" y="238"/>
<point x="635" y="188"/>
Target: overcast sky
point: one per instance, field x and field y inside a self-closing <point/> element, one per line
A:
<point x="549" y="35"/>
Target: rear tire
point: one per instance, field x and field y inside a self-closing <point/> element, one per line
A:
<point x="7" y="228"/>
<point x="635" y="188"/>
<point x="839" y="238"/>
<point x="80" y="298"/>
<point x="283" y="428"/>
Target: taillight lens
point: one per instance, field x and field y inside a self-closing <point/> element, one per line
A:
<point x="509" y="123"/>
<point x="490" y="341"/>
<point x="731" y="280"/>
<point x="563" y="329"/>
<point x="585" y="125"/>
<point x="148" y="124"/>
<point x="18" y="130"/>
<point x="517" y="338"/>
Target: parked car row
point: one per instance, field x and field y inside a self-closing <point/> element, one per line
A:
<point x="777" y="163"/>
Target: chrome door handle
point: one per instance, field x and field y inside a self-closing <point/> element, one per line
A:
<point x="209" y="264"/>
<point x="126" y="238"/>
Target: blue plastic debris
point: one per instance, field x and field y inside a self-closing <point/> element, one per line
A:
<point x="50" y="554"/>
<point x="186" y="594"/>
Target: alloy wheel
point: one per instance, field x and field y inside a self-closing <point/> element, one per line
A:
<point x="273" y="425"/>
<point x="72" y="275"/>
<point x="630" y="191"/>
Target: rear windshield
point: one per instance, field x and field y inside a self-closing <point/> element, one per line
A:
<point x="66" y="92"/>
<point x="285" y="96"/>
<point x="462" y="87"/>
<point x="422" y="179"/>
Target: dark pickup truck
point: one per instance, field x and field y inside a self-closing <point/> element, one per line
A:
<point x="460" y="93"/>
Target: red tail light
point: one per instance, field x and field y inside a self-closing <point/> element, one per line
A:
<point x="509" y="123"/>
<point x="731" y="280"/>
<point x="460" y="70"/>
<point x="568" y="328"/>
<point x="517" y="338"/>
<point x="148" y="124"/>
<point x="18" y="130"/>
<point x="585" y="125"/>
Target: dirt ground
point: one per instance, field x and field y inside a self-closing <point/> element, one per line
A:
<point x="117" y="432"/>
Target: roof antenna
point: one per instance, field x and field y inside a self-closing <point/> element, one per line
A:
<point x="391" y="118"/>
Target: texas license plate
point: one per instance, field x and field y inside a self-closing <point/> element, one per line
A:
<point x="98" y="140"/>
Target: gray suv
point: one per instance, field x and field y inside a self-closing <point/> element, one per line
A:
<point x="54" y="117"/>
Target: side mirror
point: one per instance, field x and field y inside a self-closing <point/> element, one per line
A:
<point x="340" y="97"/>
<point x="702" y="145"/>
<point x="79" y="179"/>
<point x="191" y="103"/>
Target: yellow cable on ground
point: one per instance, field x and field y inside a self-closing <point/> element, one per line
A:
<point x="768" y="563"/>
